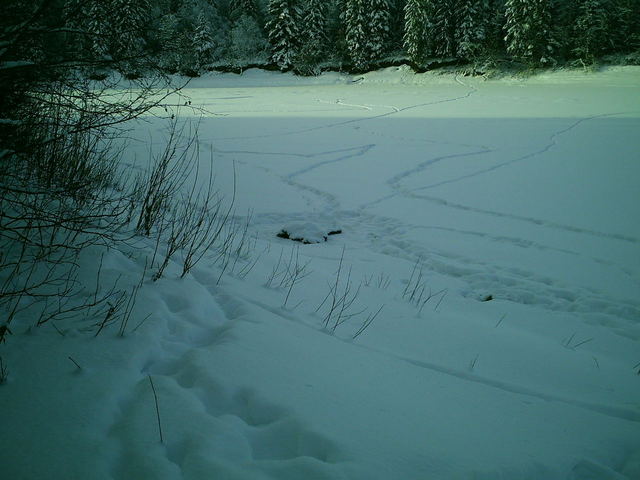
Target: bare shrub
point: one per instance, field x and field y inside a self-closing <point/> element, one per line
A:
<point x="61" y="188"/>
<point x="417" y="292"/>
<point x="287" y="273"/>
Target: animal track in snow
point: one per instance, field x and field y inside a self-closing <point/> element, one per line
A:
<point x="394" y="111"/>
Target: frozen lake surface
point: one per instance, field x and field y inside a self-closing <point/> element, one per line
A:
<point x="489" y="244"/>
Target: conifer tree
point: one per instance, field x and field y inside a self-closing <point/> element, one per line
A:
<point x="366" y="26"/>
<point x="442" y="26"/>
<point x="247" y="43"/>
<point x="495" y="27"/>
<point x="415" y="36"/>
<point x="241" y="8"/>
<point x="471" y="33"/>
<point x="204" y="33"/>
<point x="109" y="30"/>
<point x="128" y="19"/>
<point x="355" y="20"/>
<point x="395" y="39"/>
<point x="313" y="35"/>
<point x="283" y="32"/>
<point x="202" y="42"/>
<point x="379" y="18"/>
<point x="528" y="29"/>
<point x="89" y="18"/>
<point x="170" y="44"/>
<point x="564" y="14"/>
<point x="624" y="25"/>
<point x="590" y="31"/>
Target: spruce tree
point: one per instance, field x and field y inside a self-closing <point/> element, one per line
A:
<point x="415" y="27"/>
<point x="283" y="32"/>
<point x="564" y="14"/>
<point x="355" y="21"/>
<point x="108" y="30"/>
<point x="395" y="39"/>
<point x="366" y="25"/>
<point x="205" y="35"/>
<point x="128" y="19"/>
<point x="247" y="43"/>
<point x="624" y="25"/>
<point x="495" y="27"/>
<point x="241" y="8"/>
<point x="471" y="33"/>
<point x="528" y="30"/>
<point x="90" y="19"/>
<point x="379" y="18"/>
<point x="170" y="42"/>
<point x="590" y="31"/>
<point x="313" y="36"/>
<point x="442" y="26"/>
<point x="202" y="42"/>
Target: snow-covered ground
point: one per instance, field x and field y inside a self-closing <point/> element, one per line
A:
<point x="489" y="263"/>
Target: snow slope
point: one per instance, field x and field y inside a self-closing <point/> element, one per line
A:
<point x="490" y="234"/>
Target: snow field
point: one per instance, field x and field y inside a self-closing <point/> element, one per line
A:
<point x="448" y="191"/>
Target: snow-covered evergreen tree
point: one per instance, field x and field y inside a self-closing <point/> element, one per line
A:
<point x="495" y="27"/>
<point x="355" y="19"/>
<point x="109" y="30"/>
<point x="471" y="32"/>
<point x="313" y="36"/>
<point x="395" y="38"/>
<point x="590" y="31"/>
<point x="528" y="30"/>
<point x="202" y="42"/>
<point x="90" y="18"/>
<point x="416" y="24"/>
<point x="204" y="34"/>
<point x="442" y="26"/>
<point x="240" y="8"/>
<point x="247" y="43"/>
<point x="379" y="18"/>
<point x="282" y="29"/>
<point x="128" y="21"/>
<point x="169" y="39"/>
<point x="563" y="14"/>
<point x="366" y="26"/>
<point x="624" y="25"/>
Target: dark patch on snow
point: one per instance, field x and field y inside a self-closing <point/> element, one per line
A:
<point x="306" y="241"/>
<point x="284" y="234"/>
<point x="487" y="298"/>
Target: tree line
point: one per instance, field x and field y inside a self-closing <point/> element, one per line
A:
<point x="191" y="36"/>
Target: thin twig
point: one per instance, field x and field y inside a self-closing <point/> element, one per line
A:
<point x="582" y="343"/>
<point x="473" y="362"/>
<point x="440" y="301"/>
<point x="74" y="362"/>
<point x="367" y="322"/>
<point x="155" y="397"/>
